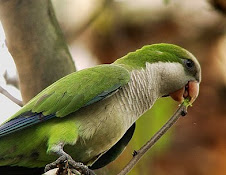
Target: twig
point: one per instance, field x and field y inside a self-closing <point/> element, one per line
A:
<point x="11" y="80"/>
<point x="9" y="96"/>
<point x="182" y="110"/>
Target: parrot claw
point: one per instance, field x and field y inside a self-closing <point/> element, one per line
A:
<point x="69" y="163"/>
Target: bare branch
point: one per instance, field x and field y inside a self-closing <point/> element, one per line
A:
<point x="11" y="80"/>
<point x="182" y="110"/>
<point x="9" y="96"/>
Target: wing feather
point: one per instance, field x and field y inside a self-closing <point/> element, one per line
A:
<point x="68" y="95"/>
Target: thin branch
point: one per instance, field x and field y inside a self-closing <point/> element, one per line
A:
<point x="9" y="96"/>
<point x="182" y="110"/>
<point x="11" y="80"/>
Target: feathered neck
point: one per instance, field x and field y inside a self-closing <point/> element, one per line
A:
<point x="146" y="86"/>
<point x="140" y="93"/>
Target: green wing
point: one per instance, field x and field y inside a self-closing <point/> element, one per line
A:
<point x="67" y="95"/>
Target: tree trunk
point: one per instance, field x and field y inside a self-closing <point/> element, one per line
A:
<point x="36" y="44"/>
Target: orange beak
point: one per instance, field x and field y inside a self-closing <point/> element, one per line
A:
<point x="191" y="91"/>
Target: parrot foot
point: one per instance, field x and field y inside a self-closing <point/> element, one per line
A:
<point x="65" y="163"/>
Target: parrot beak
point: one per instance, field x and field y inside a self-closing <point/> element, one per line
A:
<point x="191" y="91"/>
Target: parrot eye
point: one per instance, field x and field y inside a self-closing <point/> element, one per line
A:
<point x="189" y="63"/>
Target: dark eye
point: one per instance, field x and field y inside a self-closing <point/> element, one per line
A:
<point x="189" y="63"/>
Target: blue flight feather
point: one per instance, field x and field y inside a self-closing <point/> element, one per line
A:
<point x="29" y="118"/>
<point x="22" y="122"/>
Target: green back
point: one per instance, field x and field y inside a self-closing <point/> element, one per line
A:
<point x="76" y="90"/>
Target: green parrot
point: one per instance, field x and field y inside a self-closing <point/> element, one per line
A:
<point x="91" y="114"/>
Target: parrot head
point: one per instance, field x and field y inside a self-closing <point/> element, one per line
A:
<point x="178" y="69"/>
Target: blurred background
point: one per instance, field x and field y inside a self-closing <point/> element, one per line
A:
<point x="100" y="31"/>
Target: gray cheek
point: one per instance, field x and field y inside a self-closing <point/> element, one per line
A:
<point x="173" y="79"/>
